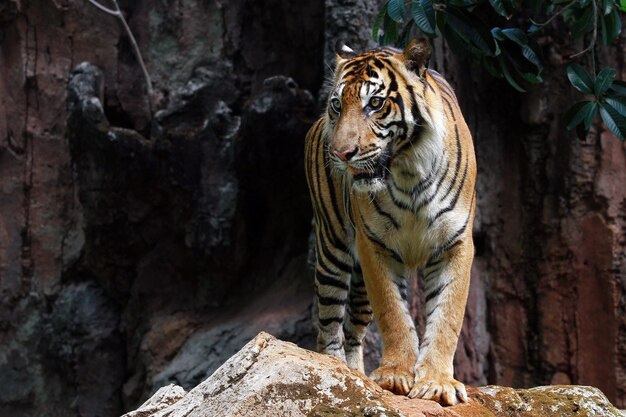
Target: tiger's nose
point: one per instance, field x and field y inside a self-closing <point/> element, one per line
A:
<point x="347" y="153"/>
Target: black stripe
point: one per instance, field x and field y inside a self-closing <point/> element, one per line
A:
<point x="361" y="303"/>
<point x="450" y="243"/>
<point x="324" y="279"/>
<point x="393" y="84"/>
<point x="429" y="85"/>
<point x="454" y="199"/>
<point x="383" y="213"/>
<point x="449" y="108"/>
<point x="432" y="263"/>
<point x="457" y="167"/>
<point x="395" y="200"/>
<point x="442" y="83"/>
<point x="426" y="201"/>
<point x="424" y="184"/>
<point x="331" y="192"/>
<point x="359" y="322"/>
<point x="415" y="111"/>
<point x="332" y="342"/>
<point x="372" y="236"/>
<point x="378" y="63"/>
<point x="435" y="293"/>
<point x="430" y="275"/>
<point x="403" y="290"/>
<point x="332" y="237"/>
<point x="330" y="301"/>
<point x="340" y="265"/>
<point x="318" y="194"/>
<point x="443" y="177"/>
<point x="330" y="320"/>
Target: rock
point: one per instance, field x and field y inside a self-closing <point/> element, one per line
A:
<point x="269" y="377"/>
<point x="163" y="398"/>
<point x="81" y="336"/>
<point x="555" y="400"/>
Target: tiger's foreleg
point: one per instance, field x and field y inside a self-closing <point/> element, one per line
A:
<point x="332" y="294"/>
<point x="359" y="317"/>
<point x="400" y="343"/>
<point x="446" y="287"/>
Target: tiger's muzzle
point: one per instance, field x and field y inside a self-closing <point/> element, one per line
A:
<point x="368" y="171"/>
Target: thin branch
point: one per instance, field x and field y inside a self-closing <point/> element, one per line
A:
<point x="595" y="32"/>
<point x="105" y="9"/>
<point x="118" y="13"/>
<point x="555" y="15"/>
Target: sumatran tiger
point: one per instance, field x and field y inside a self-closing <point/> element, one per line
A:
<point x="391" y="170"/>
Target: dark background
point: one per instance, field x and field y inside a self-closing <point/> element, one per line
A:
<point x="140" y="248"/>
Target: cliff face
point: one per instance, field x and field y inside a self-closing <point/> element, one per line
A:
<point x="139" y="249"/>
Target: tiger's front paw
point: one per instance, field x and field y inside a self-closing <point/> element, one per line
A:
<point x="395" y="378"/>
<point x="444" y="390"/>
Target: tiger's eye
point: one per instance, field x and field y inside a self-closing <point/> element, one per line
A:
<point x="335" y="103"/>
<point x="376" y="103"/>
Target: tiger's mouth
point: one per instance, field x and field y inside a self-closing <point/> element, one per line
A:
<point x="370" y="176"/>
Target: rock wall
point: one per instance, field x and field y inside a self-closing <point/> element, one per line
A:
<point x="139" y="249"/>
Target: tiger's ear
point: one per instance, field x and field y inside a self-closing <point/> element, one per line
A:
<point x="416" y="56"/>
<point x="343" y="52"/>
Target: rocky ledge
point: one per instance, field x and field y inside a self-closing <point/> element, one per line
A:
<point x="272" y="378"/>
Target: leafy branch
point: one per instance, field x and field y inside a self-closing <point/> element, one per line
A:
<point x="512" y="53"/>
<point x="118" y="13"/>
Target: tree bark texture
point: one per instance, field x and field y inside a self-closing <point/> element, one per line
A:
<point x="139" y="249"/>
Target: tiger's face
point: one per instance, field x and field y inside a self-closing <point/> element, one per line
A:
<point x="370" y="114"/>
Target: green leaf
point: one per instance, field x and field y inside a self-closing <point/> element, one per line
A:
<point x="507" y="75"/>
<point x="521" y="65"/>
<point x="580" y="78"/>
<point x="424" y="16"/>
<point x="497" y="33"/>
<point x="519" y="37"/>
<point x="532" y="53"/>
<point x="395" y="8"/>
<point x="613" y="120"/>
<point x="611" y="26"/>
<point x="498" y="6"/>
<point x="619" y="86"/>
<point x="516" y="35"/>
<point x="390" y="30"/>
<point x="622" y="5"/>
<point x="471" y="30"/>
<point x="579" y="112"/>
<point x="618" y="103"/>
<point x="604" y="80"/>
<point x="378" y="22"/>
<point x="590" y="116"/>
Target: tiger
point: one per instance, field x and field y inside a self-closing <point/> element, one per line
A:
<point x="391" y="171"/>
